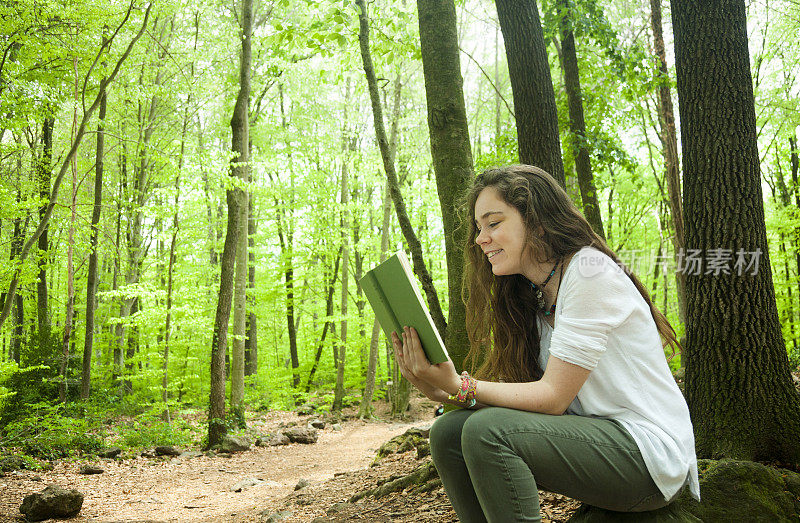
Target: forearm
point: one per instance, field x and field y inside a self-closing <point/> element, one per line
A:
<point x="536" y="396"/>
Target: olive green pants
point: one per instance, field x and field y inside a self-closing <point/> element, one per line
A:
<point x="492" y="462"/>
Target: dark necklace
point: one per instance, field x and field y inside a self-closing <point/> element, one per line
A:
<point x="539" y="292"/>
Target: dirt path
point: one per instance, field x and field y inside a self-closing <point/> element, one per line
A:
<point x="199" y="488"/>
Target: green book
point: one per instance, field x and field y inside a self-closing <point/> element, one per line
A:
<point x="393" y="293"/>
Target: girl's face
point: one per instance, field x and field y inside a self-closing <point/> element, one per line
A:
<point x="501" y="233"/>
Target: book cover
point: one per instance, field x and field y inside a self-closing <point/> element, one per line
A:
<point x="392" y="291"/>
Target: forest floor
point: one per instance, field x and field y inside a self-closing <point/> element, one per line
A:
<point x="198" y="488"/>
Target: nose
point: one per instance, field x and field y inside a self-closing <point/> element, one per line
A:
<point x="482" y="237"/>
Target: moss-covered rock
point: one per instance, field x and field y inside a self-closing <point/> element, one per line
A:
<point x="745" y="491"/>
<point x="672" y="513"/>
<point x="413" y="438"/>
<point x="730" y="491"/>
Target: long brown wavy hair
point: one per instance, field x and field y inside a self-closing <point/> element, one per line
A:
<point x="501" y="324"/>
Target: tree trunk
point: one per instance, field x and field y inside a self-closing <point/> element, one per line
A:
<point x="388" y="165"/>
<point x="239" y="144"/>
<point x="91" y="278"/>
<point x="577" y="123"/>
<point x="45" y="170"/>
<point x="738" y="386"/>
<point x="669" y="142"/>
<point x="251" y="341"/>
<point x="450" y="149"/>
<point x="287" y="246"/>
<point x="795" y="164"/>
<point x="70" y="306"/>
<point x="240" y="312"/>
<point x="365" y="408"/>
<point x="340" y="360"/>
<point x="328" y="323"/>
<point x="532" y="86"/>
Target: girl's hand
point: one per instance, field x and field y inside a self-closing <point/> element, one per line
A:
<point x="435" y="381"/>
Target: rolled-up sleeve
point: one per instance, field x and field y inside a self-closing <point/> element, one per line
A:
<point x="595" y="299"/>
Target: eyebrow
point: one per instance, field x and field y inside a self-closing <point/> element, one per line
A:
<point x="489" y="213"/>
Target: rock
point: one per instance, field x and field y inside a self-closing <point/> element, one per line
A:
<point x="147" y="454"/>
<point x="91" y="469"/>
<point x="301" y="435"/>
<point x="224" y="454"/>
<point x="190" y="454"/>
<point x="671" y="513"/>
<point x="306" y="409"/>
<point x="303" y="483"/>
<point x="11" y="463"/>
<point x="167" y="450"/>
<point x="274" y="517"/>
<point x="336" y="426"/>
<point x="279" y="439"/>
<point x="246" y="482"/>
<point x="317" y="424"/>
<point x="338" y="508"/>
<point x="110" y="453"/>
<point x="52" y="502"/>
<point x="235" y="444"/>
<point x="731" y="491"/>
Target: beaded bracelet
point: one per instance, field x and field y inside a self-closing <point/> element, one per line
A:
<point x="466" y="394"/>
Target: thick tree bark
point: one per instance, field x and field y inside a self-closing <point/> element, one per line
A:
<point x="450" y="149"/>
<point x="391" y="174"/>
<point x="669" y="142"/>
<point x="532" y="86"/>
<point x="738" y="386"/>
<point x="577" y="123"/>
<point x="45" y="171"/>
<point x="91" y="278"/>
<point x="239" y="144"/>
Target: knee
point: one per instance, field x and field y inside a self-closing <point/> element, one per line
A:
<point x="446" y="431"/>
<point x="479" y="432"/>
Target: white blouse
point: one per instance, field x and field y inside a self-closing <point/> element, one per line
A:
<point x="603" y="324"/>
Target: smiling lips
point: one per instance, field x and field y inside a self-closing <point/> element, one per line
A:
<point x="491" y="254"/>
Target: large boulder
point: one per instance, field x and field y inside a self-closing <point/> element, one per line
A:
<point x="730" y="490"/>
<point x="52" y="502"/>
<point x="233" y="444"/>
<point x="301" y="435"/>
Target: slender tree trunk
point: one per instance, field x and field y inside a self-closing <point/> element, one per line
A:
<point x="287" y="246"/>
<point x="17" y="329"/>
<point x="251" y="342"/>
<point x="239" y="143"/>
<point x="669" y="142"/>
<point x="388" y="164"/>
<point x="338" y="393"/>
<point x="734" y="367"/>
<point x="328" y="323"/>
<point x="91" y="279"/>
<point x="45" y="173"/>
<point x="450" y="149"/>
<point x="532" y="86"/>
<point x="239" y="316"/>
<point x="577" y="123"/>
<point x="70" y="306"/>
<point x="365" y="408"/>
<point x="795" y="165"/>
